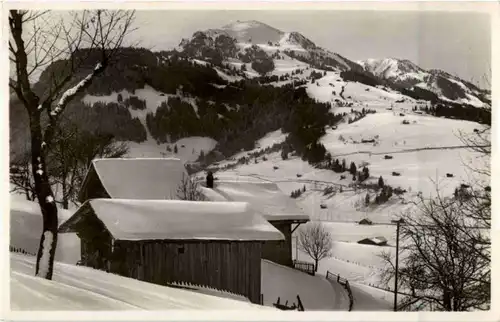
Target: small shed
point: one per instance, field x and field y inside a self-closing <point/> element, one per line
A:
<point x="214" y="244"/>
<point x="132" y="178"/>
<point x="277" y="207"/>
<point x="376" y="241"/>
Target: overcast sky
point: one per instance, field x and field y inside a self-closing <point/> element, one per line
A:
<point x="458" y="43"/>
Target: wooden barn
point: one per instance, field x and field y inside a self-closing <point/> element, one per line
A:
<point x="214" y="244"/>
<point x="376" y="241"/>
<point x="278" y="208"/>
<point x="132" y="178"/>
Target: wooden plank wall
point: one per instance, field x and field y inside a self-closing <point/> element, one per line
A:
<point x="95" y="240"/>
<point x="234" y="266"/>
<point x="280" y="251"/>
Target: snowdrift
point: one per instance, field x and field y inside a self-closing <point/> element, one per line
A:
<point x="77" y="288"/>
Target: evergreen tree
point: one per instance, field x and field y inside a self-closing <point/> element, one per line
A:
<point x="304" y="188"/>
<point x="367" y="199"/>
<point x="176" y="149"/>
<point x="366" y="173"/>
<point x="344" y="167"/>
<point x="381" y="182"/>
<point x="353" y="169"/>
<point x="284" y="155"/>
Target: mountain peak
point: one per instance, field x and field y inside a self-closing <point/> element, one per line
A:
<point x="250" y="31"/>
<point x="239" y="25"/>
<point x="391" y="68"/>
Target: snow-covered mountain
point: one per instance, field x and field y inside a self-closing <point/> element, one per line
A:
<point x="404" y="73"/>
<point x="235" y="39"/>
<point x="397" y="70"/>
<point x="261" y="44"/>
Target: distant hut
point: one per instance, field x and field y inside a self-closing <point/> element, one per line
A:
<point x="365" y="221"/>
<point x="376" y="241"/>
<point x="213" y="244"/>
<point x="141" y="178"/>
<point x="278" y="208"/>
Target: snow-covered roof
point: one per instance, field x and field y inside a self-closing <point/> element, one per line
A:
<point x="265" y="197"/>
<point x="140" y="178"/>
<point x="376" y="240"/>
<point x="176" y="219"/>
<point x="379" y="240"/>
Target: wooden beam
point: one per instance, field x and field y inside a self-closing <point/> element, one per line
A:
<point x="298" y="224"/>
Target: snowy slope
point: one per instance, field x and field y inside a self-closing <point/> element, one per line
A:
<point x="405" y="73"/>
<point x="391" y="68"/>
<point x="425" y="150"/>
<point x="315" y="292"/>
<point x="368" y="298"/>
<point x="26" y="228"/>
<point x="332" y="87"/>
<point x="81" y="288"/>
<point x="418" y="149"/>
<point x="189" y="148"/>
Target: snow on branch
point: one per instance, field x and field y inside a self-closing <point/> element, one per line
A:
<point x="71" y="92"/>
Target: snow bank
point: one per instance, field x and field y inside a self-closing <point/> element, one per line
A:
<point x="175" y="219"/>
<point x="78" y="288"/>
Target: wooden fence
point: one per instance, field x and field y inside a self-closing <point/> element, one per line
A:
<point x="305" y="267"/>
<point x="344" y="282"/>
<point x="19" y="250"/>
<point x="286" y="307"/>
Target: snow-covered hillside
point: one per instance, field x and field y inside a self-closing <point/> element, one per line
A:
<point x="392" y="68"/>
<point x="423" y="152"/>
<point x="407" y="74"/>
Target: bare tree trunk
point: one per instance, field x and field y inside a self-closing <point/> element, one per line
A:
<point x="64" y="193"/>
<point x="48" y="240"/>
<point x="100" y="31"/>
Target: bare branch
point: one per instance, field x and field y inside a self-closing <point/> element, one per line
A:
<point x="315" y="241"/>
<point x="188" y="189"/>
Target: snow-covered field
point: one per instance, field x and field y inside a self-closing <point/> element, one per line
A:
<point x="329" y="87"/>
<point x="423" y="152"/>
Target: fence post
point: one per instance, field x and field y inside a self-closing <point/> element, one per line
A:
<point x="299" y="302"/>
